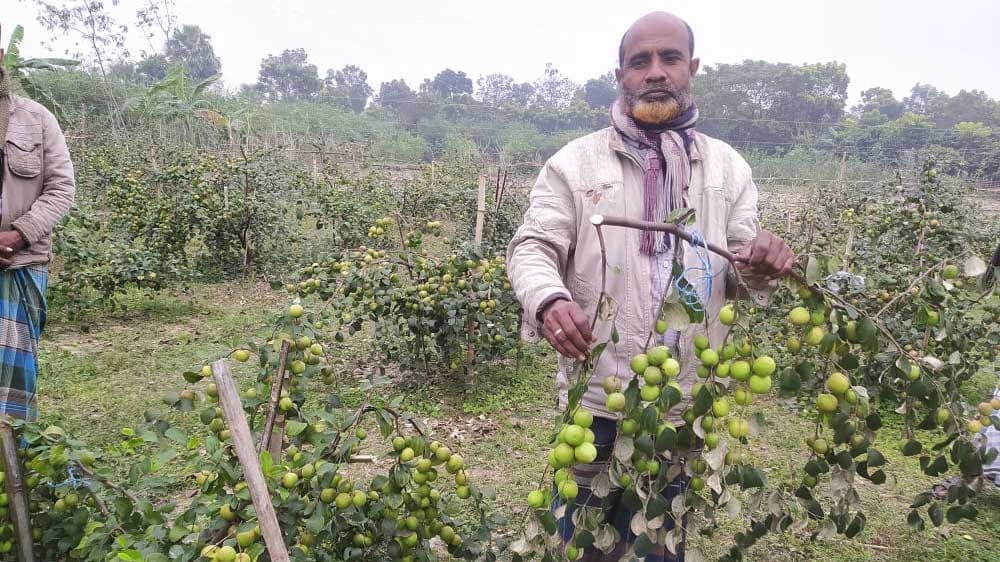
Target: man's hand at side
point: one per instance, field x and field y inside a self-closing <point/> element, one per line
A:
<point x="565" y="326"/>
<point x="767" y="255"/>
<point x="11" y="242"/>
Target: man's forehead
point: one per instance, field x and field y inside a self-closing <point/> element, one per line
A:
<point x="657" y="31"/>
<point x="656" y="42"/>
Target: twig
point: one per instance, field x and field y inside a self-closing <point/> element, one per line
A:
<point x="914" y="283"/>
<point x="599" y="220"/>
<point x="104" y="480"/>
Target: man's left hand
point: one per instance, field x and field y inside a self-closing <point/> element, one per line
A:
<point x="11" y="242"/>
<point x="767" y="255"/>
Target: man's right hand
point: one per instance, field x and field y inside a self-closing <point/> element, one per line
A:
<point x="565" y="326"/>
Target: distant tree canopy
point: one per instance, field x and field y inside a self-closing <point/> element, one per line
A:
<point x="348" y="86"/>
<point x="773" y="108"/>
<point x="599" y="93"/>
<point x="289" y="76"/>
<point x="191" y="47"/>
<point x="448" y="83"/>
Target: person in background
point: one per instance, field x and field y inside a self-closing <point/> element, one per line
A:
<point x="37" y="187"/>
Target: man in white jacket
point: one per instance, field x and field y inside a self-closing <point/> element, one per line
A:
<point x="649" y="162"/>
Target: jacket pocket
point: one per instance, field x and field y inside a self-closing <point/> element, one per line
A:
<point x="24" y="157"/>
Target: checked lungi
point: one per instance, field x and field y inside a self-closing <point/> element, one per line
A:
<point x="22" y="317"/>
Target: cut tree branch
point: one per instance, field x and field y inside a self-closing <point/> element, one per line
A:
<point x="602" y="220"/>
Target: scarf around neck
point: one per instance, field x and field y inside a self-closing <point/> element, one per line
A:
<point x="665" y="150"/>
<point x="4" y="104"/>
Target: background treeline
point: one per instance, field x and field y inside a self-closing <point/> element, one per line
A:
<point x="173" y="90"/>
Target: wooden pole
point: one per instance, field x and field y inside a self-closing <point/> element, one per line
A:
<point x="267" y="435"/>
<point x="16" y="494"/>
<point x="480" y="210"/>
<point x="232" y="409"/>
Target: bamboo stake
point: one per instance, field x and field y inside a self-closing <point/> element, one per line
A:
<point x="480" y="210"/>
<point x="267" y="435"/>
<point x="16" y="494"/>
<point x="232" y="409"/>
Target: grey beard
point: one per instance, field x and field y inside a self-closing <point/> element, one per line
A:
<point x="684" y="97"/>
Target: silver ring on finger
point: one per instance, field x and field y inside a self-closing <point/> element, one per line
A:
<point x="558" y="333"/>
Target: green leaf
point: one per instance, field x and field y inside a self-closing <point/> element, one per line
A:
<point x="165" y="455"/>
<point x="548" y="521"/>
<point x="912" y="447"/>
<point x="914" y="520"/>
<point x="921" y="500"/>
<point x="266" y="463"/>
<point x="856" y="526"/>
<point x="293" y="427"/>
<point x="702" y="402"/>
<point x="657" y="506"/>
<point x="642" y="546"/>
<point x="316" y="522"/>
<point x="938" y="467"/>
<point x="814" y="272"/>
<point x="176" y="435"/>
<point x="10" y="59"/>
<point x="959" y="512"/>
<point x="790" y="382"/>
<point x="753" y="478"/>
<point x="936" y="290"/>
<point x="667" y="439"/>
<point x="878" y="477"/>
<point x="192" y="376"/>
<point x="875" y="458"/>
<point x="675" y="315"/>
<point x="936" y="513"/>
<point x="866" y="333"/>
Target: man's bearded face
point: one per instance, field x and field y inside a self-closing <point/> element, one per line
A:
<point x="659" y="104"/>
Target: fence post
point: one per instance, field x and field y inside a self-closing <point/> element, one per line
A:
<point x="236" y="421"/>
<point x="16" y="495"/>
<point x="480" y="210"/>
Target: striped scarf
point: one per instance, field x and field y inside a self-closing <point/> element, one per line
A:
<point x="667" y="169"/>
<point x="4" y="103"/>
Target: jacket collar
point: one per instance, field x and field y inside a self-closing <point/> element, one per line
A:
<point x="616" y="144"/>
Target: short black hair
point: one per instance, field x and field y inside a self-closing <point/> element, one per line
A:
<point x="621" y="45"/>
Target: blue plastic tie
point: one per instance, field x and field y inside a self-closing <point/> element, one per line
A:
<point x="73" y="480"/>
<point x="689" y="293"/>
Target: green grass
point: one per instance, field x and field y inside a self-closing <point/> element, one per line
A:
<point x="102" y="371"/>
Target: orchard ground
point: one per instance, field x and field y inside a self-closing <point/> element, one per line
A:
<point x="101" y="371"/>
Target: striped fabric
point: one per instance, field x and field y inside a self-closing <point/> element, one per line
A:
<point x="22" y="317"/>
<point x="992" y="441"/>
<point x="605" y="432"/>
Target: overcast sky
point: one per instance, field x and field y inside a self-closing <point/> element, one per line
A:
<point x="953" y="45"/>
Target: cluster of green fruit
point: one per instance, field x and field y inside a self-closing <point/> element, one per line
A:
<point x="416" y="303"/>
<point x="322" y="505"/>
<point x="575" y="445"/>
<point x="378" y="229"/>
<point x="985" y="411"/>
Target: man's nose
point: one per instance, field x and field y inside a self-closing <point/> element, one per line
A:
<point x="656" y="73"/>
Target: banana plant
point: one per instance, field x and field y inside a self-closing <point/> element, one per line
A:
<point x="21" y="69"/>
<point x="178" y="98"/>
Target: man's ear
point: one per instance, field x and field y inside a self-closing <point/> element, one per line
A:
<point x="695" y="65"/>
<point x="618" y="75"/>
